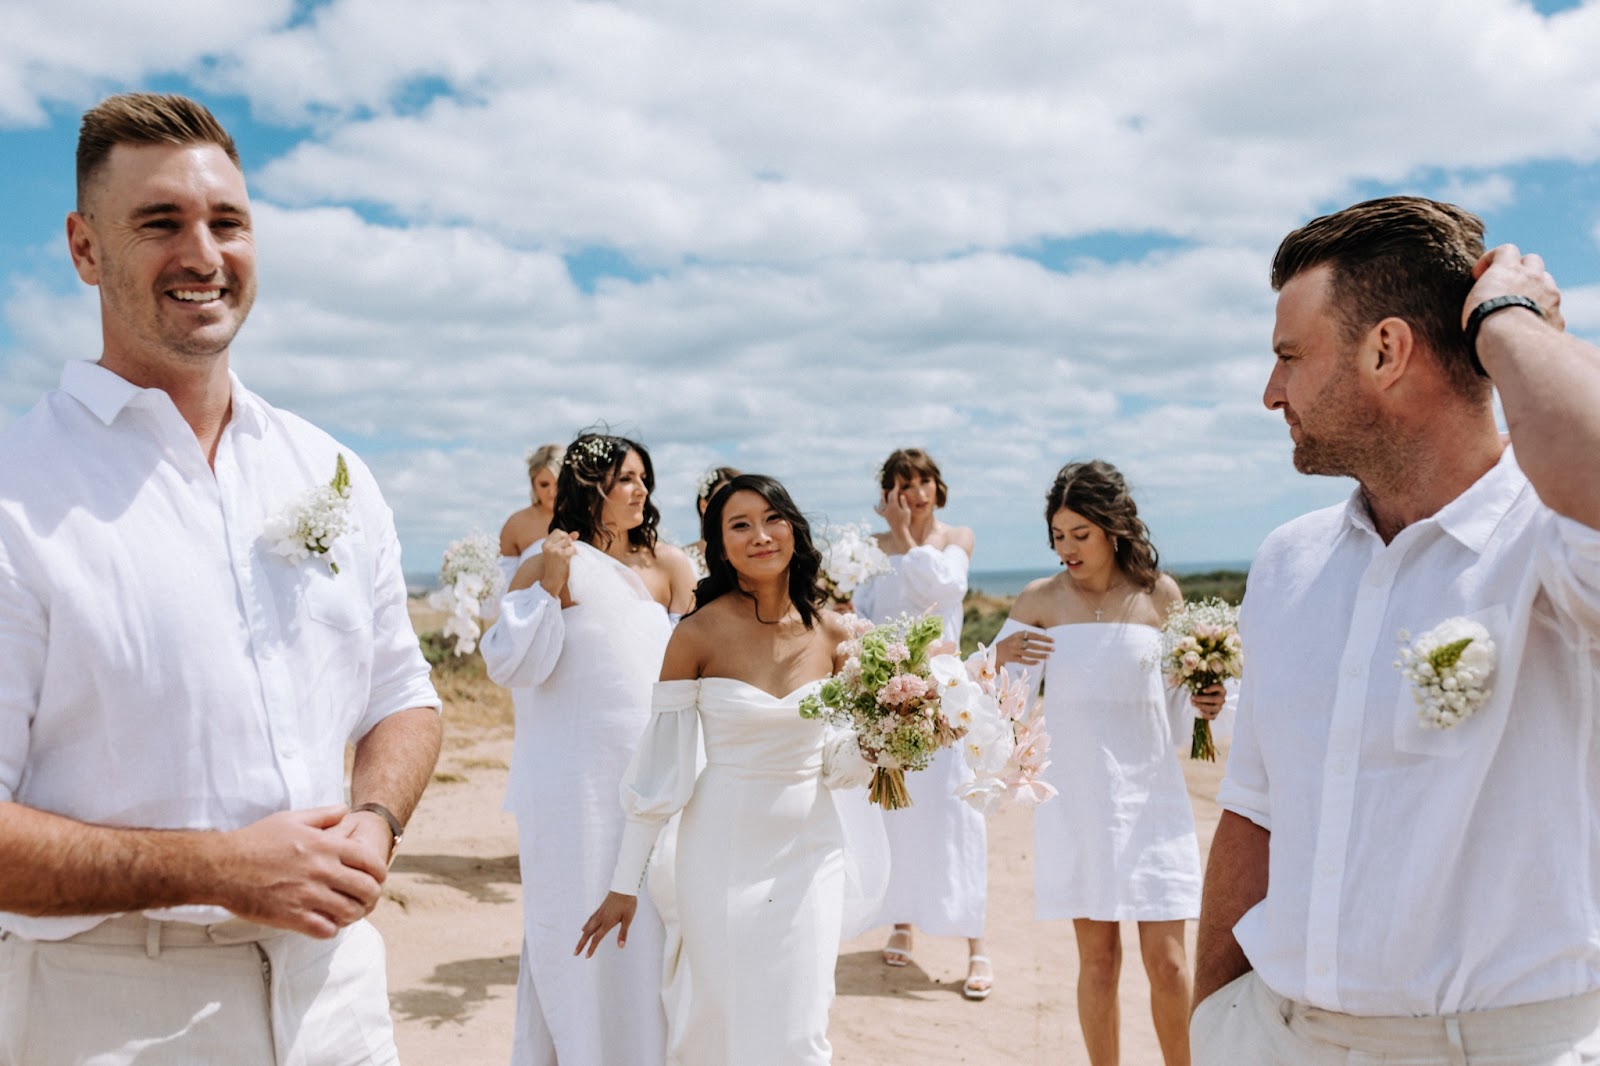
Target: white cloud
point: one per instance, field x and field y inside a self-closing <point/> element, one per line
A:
<point x="827" y="202"/>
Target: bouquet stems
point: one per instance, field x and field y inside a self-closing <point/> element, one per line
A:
<point x="1201" y="747"/>
<point x="888" y="789"/>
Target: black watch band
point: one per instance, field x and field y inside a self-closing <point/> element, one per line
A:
<point x="1483" y="311"/>
<point x="395" y="828"/>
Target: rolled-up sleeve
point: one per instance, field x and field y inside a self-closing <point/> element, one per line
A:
<point x="401" y="678"/>
<point x="660" y="779"/>
<point x="1244" y="788"/>
<point x="524" y="644"/>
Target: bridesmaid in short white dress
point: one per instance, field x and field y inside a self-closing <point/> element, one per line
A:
<point x="939" y="846"/>
<point x="579" y="642"/>
<point x="1118" y="844"/>
<point x="761" y="858"/>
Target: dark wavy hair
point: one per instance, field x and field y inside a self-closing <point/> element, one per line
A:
<point x="804" y="567"/>
<point x="1097" y="490"/>
<point x="588" y="471"/>
<point x="909" y="463"/>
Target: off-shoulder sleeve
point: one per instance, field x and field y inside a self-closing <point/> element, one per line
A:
<point x="842" y="763"/>
<point x="933" y="577"/>
<point x="660" y="779"/>
<point x="523" y="645"/>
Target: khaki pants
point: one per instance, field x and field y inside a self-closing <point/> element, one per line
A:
<point x="158" y="993"/>
<point x="1247" y="1022"/>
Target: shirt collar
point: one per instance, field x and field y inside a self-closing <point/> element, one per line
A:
<point x="1472" y="516"/>
<point x="106" y="394"/>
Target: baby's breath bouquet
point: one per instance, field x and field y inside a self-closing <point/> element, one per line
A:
<point x="469" y="581"/>
<point x="1199" y="648"/>
<point x="850" y="557"/>
<point x="888" y="692"/>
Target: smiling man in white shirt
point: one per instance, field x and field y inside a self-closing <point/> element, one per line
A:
<point x="1380" y="889"/>
<point x="181" y="878"/>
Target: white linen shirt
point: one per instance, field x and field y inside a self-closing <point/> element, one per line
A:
<point x="1420" y="871"/>
<point x="161" y="666"/>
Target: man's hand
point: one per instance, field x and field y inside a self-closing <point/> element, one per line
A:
<point x="295" y="870"/>
<point x="1505" y="271"/>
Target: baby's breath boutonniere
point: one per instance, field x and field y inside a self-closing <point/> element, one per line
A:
<point x="316" y="518"/>
<point x="1449" y="668"/>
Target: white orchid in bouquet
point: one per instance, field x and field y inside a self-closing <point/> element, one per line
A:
<point x="469" y="581"/>
<point x="314" y="520"/>
<point x="850" y="557"/>
<point x="888" y="694"/>
<point x="1006" y="742"/>
<point x="1449" y="668"/>
<point x="1200" y="647"/>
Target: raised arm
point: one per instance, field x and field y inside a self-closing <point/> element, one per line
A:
<point x="1549" y="382"/>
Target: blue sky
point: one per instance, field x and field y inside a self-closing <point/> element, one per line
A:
<point x="794" y="238"/>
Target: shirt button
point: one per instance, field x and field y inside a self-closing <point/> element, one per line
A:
<point x="1375" y="580"/>
<point x="1352" y="671"/>
<point x="1326" y="869"/>
<point x="290" y="751"/>
<point x="1340" y="767"/>
<point x="1322" y="969"/>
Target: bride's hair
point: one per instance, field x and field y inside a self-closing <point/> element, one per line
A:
<point x="1097" y="490"/>
<point x="721" y="578"/>
<point x="588" y="471"/>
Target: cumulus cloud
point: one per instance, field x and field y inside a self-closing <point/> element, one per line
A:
<point x="837" y="228"/>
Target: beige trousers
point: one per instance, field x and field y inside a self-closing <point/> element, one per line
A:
<point x="175" y="994"/>
<point x="1247" y="1022"/>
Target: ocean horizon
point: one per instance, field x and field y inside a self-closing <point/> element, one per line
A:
<point x="992" y="582"/>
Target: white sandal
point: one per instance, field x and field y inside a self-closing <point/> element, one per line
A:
<point x="977" y="991"/>
<point x="896" y="956"/>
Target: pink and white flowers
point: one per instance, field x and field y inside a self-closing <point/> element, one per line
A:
<point x="1200" y="647"/>
<point x="1006" y="741"/>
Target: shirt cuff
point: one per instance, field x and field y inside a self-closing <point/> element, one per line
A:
<point x="1245" y="804"/>
<point x="633" y="856"/>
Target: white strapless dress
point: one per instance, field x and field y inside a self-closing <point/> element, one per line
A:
<point x="764" y="868"/>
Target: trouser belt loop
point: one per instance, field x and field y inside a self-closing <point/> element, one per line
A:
<point x="152" y="938"/>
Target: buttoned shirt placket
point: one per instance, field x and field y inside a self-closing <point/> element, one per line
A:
<point x="1342" y="761"/>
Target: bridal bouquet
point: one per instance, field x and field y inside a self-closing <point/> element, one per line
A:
<point x="469" y="581"/>
<point x="849" y="558"/>
<point x="1199" y="648"/>
<point x="1005" y="742"/>
<point x="894" y="695"/>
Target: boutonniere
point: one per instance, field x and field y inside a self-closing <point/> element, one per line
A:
<point x="316" y="518"/>
<point x="1449" y="668"/>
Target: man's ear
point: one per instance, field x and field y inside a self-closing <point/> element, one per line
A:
<point x="84" y="247"/>
<point x="1389" y="348"/>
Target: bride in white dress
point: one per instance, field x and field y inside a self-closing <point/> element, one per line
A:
<point x="939" y="846"/>
<point x="761" y="855"/>
<point x="579" y="641"/>
<point x="1118" y="844"/>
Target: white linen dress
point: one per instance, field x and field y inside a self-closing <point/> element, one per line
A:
<point x="763" y="864"/>
<point x="580" y="681"/>
<point x="1118" y="843"/>
<point x="939" y="846"/>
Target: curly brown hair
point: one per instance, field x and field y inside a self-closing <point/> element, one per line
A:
<point x="1097" y="490"/>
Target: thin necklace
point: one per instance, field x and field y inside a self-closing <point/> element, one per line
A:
<point x="1099" y="608"/>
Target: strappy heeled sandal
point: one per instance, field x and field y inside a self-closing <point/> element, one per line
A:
<point x="977" y="985"/>
<point x="898" y="956"/>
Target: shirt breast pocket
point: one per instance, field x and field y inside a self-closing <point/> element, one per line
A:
<point x="1479" y="731"/>
<point x="342" y="600"/>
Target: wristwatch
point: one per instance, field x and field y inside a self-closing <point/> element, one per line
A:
<point x="396" y="830"/>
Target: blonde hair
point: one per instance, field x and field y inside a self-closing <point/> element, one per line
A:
<point x="546" y="457"/>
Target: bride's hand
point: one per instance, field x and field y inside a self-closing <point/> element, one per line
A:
<point x="1025" y="648"/>
<point x="616" y="910"/>
<point x="557" y="553"/>
<point x="1209" y="700"/>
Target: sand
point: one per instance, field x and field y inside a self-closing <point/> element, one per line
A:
<point x="451" y="916"/>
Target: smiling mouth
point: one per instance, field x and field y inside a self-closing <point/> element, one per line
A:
<point x="195" y="296"/>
